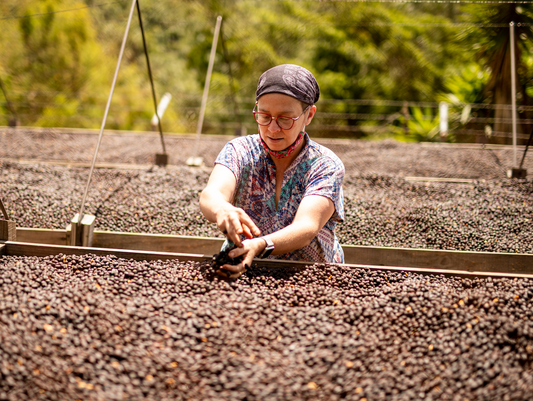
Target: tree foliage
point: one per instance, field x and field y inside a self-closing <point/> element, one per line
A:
<point x="492" y="49"/>
<point x="59" y="57"/>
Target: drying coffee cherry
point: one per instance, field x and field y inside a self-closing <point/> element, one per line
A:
<point x="222" y="258"/>
<point x="90" y="327"/>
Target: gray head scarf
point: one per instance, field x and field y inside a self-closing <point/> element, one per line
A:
<point x="291" y="80"/>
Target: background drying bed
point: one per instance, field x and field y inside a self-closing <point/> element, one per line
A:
<point x="381" y="209"/>
<point x="388" y="157"/>
<point x="93" y="328"/>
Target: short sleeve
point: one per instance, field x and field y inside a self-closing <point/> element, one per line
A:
<point x="325" y="179"/>
<point x="228" y="157"/>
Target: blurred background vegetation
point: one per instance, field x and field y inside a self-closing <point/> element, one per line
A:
<point x="383" y="68"/>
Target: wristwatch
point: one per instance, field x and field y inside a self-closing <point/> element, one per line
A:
<point x="268" y="249"/>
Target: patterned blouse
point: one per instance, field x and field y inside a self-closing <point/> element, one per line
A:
<point x="315" y="171"/>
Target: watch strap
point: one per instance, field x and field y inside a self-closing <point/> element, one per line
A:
<point x="268" y="248"/>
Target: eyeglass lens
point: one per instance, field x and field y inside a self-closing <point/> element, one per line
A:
<point x="283" y="122"/>
<point x="265" y="119"/>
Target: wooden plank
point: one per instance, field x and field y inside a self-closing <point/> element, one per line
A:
<point x="440" y="259"/>
<point x="2" y="248"/>
<point x="353" y="254"/>
<point x="27" y="249"/>
<point x="122" y="240"/>
<point x="122" y="166"/>
<point x="42" y="236"/>
<point x="445" y="272"/>
<point x="477" y="146"/>
<point x="158" y="243"/>
<point x="439" y="179"/>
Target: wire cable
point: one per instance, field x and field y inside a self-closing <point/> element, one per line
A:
<point x="415" y="1"/>
<point x="80" y="215"/>
<point x="60" y="11"/>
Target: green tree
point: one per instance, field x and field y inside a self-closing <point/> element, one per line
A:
<point x="381" y="52"/>
<point x="491" y="44"/>
<point x="59" y="53"/>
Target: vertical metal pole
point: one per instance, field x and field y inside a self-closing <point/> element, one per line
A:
<point x="443" y="120"/>
<point x="206" y="86"/>
<point x="513" y="91"/>
<point x="231" y="82"/>
<point x="9" y="106"/>
<point x="80" y="218"/>
<point x="525" y="150"/>
<point x="150" y="75"/>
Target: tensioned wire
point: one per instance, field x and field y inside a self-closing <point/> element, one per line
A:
<point x="452" y="25"/>
<point x="449" y="24"/>
<point x="412" y="1"/>
<point x="61" y="11"/>
<point x="330" y="1"/>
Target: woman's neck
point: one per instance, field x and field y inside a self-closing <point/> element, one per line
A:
<point x="284" y="163"/>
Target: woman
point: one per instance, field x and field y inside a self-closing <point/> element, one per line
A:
<point x="278" y="194"/>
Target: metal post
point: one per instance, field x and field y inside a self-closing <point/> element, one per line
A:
<point x="513" y="91"/>
<point x="443" y="120"/>
<point x="525" y="150"/>
<point x="195" y="160"/>
<point x="13" y="121"/>
<point x="107" y="109"/>
<point x="242" y="129"/>
<point x="161" y="157"/>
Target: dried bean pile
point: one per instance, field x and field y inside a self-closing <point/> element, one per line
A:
<point x="95" y="328"/>
<point x="381" y="210"/>
<point x="386" y="157"/>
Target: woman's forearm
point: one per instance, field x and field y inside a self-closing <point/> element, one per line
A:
<point x="295" y="236"/>
<point x="211" y="202"/>
<point x="313" y="213"/>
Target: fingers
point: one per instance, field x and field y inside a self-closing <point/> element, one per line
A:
<point x="236" y="223"/>
<point x="234" y="228"/>
<point x="247" y="232"/>
<point x="232" y="271"/>
<point x="248" y="251"/>
<point x="250" y="225"/>
<point x="236" y="252"/>
<point x="245" y="226"/>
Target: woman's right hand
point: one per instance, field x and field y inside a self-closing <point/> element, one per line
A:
<point x="215" y="203"/>
<point x="234" y="222"/>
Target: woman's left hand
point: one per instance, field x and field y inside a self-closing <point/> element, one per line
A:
<point x="249" y="250"/>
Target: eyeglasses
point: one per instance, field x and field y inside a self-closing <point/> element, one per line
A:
<point x="283" y="122"/>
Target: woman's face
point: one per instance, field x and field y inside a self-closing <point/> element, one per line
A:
<point x="278" y="104"/>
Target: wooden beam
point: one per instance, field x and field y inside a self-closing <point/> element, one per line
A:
<point x="445" y="272"/>
<point x="42" y="236"/>
<point x="2" y="248"/>
<point x="353" y="254"/>
<point x="440" y="259"/>
<point x="440" y="179"/>
<point x="122" y="240"/>
<point x="158" y="243"/>
<point x="27" y="249"/>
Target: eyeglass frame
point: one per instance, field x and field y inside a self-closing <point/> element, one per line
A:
<point x="294" y="119"/>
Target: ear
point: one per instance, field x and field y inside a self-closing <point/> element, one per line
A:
<point x="310" y="114"/>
